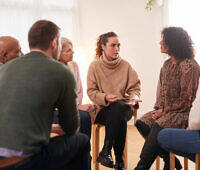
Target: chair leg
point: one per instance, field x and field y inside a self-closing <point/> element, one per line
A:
<point x="126" y="153"/>
<point x="97" y="129"/>
<point x="172" y="161"/>
<point x="158" y="163"/>
<point x="185" y="163"/>
<point x="197" y="162"/>
<point x="93" y="143"/>
<point x="135" y="116"/>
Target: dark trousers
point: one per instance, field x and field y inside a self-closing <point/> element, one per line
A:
<point x="115" y="118"/>
<point x="62" y="153"/>
<point x="151" y="148"/>
<point x="85" y="123"/>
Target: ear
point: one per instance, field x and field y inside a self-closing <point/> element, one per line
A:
<point x="54" y="43"/>
<point x="103" y="46"/>
<point x="3" y="56"/>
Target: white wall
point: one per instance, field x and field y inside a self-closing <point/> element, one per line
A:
<point x="139" y="33"/>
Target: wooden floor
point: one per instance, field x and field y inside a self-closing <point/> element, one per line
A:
<point x="135" y="143"/>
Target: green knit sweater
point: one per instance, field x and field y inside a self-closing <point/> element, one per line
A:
<point x="30" y="88"/>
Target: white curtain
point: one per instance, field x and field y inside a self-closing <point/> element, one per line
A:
<point x="184" y="13"/>
<point x="17" y="16"/>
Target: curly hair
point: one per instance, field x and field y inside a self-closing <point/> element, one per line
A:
<point x="103" y="39"/>
<point x="178" y="43"/>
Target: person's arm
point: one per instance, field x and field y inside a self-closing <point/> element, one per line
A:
<point x="194" y="117"/>
<point x="133" y="86"/>
<point x="159" y="94"/>
<point x="79" y="83"/>
<point x="68" y="115"/>
<point x="56" y="128"/>
<point x="189" y="84"/>
<point x="95" y="95"/>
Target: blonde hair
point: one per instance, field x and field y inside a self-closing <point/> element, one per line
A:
<point x="65" y="42"/>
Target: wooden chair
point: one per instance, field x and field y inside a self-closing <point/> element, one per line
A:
<point x="96" y="143"/>
<point x="172" y="162"/>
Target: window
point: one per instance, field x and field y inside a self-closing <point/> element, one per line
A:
<point x="17" y="16"/>
<point x="184" y="13"/>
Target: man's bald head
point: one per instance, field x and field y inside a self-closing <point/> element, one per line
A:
<point x="9" y="49"/>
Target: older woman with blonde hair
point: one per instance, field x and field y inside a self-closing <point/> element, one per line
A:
<point x="66" y="57"/>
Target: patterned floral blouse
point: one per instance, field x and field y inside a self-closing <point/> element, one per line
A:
<point x="176" y="91"/>
<point x="177" y="86"/>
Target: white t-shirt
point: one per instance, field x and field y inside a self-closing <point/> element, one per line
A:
<point x="194" y="117"/>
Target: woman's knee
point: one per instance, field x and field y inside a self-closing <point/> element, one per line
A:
<point x="163" y="134"/>
<point x="164" y="139"/>
<point x="123" y="110"/>
<point x="143" y="128"/>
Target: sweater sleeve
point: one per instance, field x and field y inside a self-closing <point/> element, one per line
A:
<point x="68" y="115"/>
<point x="189" y="84"/>
<point x="79" y="84"/>
<point x="133" y="86"/>
<point x="194" y="117"/>
<point x="95" y="95"/>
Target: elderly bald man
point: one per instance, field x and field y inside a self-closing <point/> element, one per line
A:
<point x="9" y="49"/>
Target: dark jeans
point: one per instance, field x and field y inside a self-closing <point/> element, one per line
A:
<point x="62" y="153"/>
<point x="115" y="117"/>
<point x="180" y="141"/>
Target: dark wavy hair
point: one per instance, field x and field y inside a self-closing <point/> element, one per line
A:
<point x="178" y="43"/>
<point x="103" y="39"/>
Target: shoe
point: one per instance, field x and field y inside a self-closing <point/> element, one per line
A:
<point x="119" y="165"/>
<point x="105" y="158"/>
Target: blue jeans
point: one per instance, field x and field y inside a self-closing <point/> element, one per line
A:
<point x="180" y="141"/>
<point x="62" y="153"/>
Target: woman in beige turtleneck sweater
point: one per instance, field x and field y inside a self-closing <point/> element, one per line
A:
<point x="113" y="86"/>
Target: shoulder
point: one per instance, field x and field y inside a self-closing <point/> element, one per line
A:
<point x="95" y="63"/>
<point x="166" y="65"/>
<point x="188" y="65"/>
<point x="73" y="64"/>
<point x="59" y="69"/>
<point x="167" y="62"/>
<point x="125" y="62"/>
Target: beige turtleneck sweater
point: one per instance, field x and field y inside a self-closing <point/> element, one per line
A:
<point x="111" y="77"/>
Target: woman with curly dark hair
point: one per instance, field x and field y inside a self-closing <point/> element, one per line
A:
<point x="113" y="86"/>
<point x="176" y="91"/>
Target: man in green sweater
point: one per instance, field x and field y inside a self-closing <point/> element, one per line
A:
<point x="31" y="87"/>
